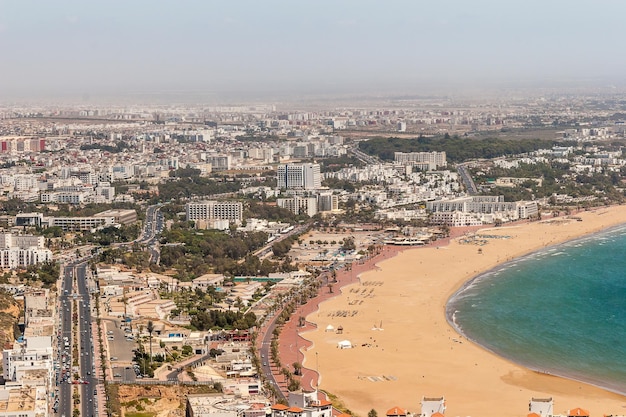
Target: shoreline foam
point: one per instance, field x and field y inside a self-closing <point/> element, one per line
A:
<point x="552" y="251"/>
<point x="474" y="380"/>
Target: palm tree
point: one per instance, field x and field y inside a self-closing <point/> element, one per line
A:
<point x="297" y="368"/>
<point x="150" y="329"/>
<point x="239" y="303"/>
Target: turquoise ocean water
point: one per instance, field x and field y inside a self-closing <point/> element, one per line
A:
<point x="561" y="310"/>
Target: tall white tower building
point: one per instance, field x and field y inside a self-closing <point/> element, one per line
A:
<point x="299" y="176"/>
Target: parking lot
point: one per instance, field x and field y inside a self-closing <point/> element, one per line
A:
<point x="119" y="347"/>
<point x="125" y="373"/>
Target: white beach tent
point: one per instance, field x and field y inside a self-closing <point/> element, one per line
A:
<point x="344" y="344"/>
<point x="330" y="328"/>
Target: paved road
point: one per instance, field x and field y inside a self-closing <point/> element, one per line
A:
<point x="64" y="399"/>
<point x="86" y="341"/>
<point x="152" y="227"/>
<point x="467" y="179"/>
<point x="265" y="355"/>
<point x="267" y="249"/>
<point x="65" y="380"/>
<point x="362" y="156"/>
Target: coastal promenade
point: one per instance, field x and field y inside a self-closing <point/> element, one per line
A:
<point x="292" y="345"/>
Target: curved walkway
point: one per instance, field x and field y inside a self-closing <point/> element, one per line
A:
<point x="292" y="344"/>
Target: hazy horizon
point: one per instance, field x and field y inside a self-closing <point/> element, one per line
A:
<point x="232" y="50"/>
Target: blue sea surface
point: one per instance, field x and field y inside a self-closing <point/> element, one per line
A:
<point x="561" y="310"/>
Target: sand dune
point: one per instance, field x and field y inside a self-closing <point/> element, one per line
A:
<point x="417" y="353"/>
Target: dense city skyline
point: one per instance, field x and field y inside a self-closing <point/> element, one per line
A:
<point x="237" y="50"/>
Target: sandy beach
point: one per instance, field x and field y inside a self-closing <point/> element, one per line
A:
<point x="394" y="315"/>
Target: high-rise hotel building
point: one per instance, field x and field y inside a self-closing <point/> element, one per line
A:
<point x="299" y="176"/>
<point x="215" y="210"/>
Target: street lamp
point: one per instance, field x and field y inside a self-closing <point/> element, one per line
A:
<point x="317" y="366"/>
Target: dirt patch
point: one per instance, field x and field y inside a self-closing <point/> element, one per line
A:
<point x="156" y="400"/>
<point x="9" y="313"/>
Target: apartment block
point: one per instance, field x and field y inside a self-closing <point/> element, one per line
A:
<point x="433" y="160"/>
<point x="299" y="205"/>
<point x="327" y="202"/>
<point x="20" y="251"/>
<point x="299" y="176"/>
<point x="215" y="210"/>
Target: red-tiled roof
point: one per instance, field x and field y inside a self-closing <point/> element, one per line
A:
<point x="295" y="410"/>
<point x="396" y="411"/>
<point x="320" y="403"/>
<point x="440" y="415"/>
<point x="578" y="412"/>
<point x="279" y="407"/>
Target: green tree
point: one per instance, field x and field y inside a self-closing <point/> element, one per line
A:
<point x="297" y="368"/>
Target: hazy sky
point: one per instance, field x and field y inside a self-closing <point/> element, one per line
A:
<point x="97" y="47"/>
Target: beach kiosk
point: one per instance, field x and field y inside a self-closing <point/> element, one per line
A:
<point x="344" y="344"/>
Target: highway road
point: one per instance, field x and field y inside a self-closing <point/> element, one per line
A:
<point x="86" y="341"/>
<point x="362" y="156"/>
<point x="75" y="293"/>
<point x="66" y="380"/>
<point x="63" y="401"/>
<point x="153" y="226"/>
<point x="467" y="179"/>
<point x="267" y="249"/>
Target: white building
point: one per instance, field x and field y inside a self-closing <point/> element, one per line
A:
<point x="81" y="223"/>
<point x="207" y="280"/>
<point x="299" y="205"/>
<point x="456" y="219"/>
<point x="69" y="197"/>
<point x="491" y="207"/>
<point x="327" y="202"/>
<point x="303" y="404"/>
<point x="20" y="251"/>
<point x="105" y="190"/>
<point x="299" y="176"/>
<point x="432" y="406"/>
<point x="433" y="159"/>
<point x="215" y="210"/>
<point x="35" y="353"/>
<point x="543" y="407"/>
<point x="219" y="162"/>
